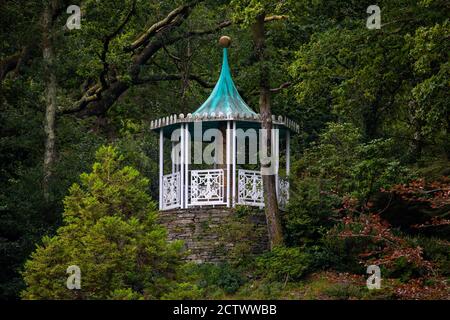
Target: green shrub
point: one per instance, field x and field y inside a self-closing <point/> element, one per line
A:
<point x="437" y="251"/>
<point x="346" y="291"/>
<point x="229" y="279"/>
<point x="110" y="231"/>
<point x="125" y="294"/>
<point x="310" y="212"/>
<point x="351" y="291"/>
<point x="403" y="270"/>
<point x="244" y="211"/>
<point x="215" y="277"/>
<point x="223" y="276"/>
<point x="283" y="264"/>
<point x="322" y="258"/>
<point x="269" y="290"/>
<point x="340" y="165"/>
<point x="241" y="231"/>
<point x="341" y="254"/>
<point x="184" y="291"/>
<point x="345" y="164"/>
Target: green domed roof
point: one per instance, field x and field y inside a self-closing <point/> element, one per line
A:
<point x="224" y="98"/>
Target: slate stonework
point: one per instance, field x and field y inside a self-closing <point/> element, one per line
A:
<point x="202" y="229"/>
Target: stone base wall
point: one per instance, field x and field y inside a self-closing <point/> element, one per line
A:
<point x="214" y="234"/>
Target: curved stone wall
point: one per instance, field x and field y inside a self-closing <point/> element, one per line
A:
<point x="217" y="234"/>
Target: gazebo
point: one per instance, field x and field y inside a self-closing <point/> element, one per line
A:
<point x="231" y="176"/>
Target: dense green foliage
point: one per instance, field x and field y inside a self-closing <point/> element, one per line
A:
<point x="374" y="111"/>
<point x="110" y="232"/>
<point x="283" y="264"/>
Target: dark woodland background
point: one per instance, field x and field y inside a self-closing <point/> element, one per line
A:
<point x="370" y="171"/>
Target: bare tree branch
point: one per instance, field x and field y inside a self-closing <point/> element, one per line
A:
<point x="9" y="64"/>
<point x="281" y="87"/>
<point x="107" y="40"/>
<point x="224" y="24"/>
<point x="99" y="98"/>
<point x="156" y="27"/>
<point x="170" y="77"/>
<point x="275" y="17"/>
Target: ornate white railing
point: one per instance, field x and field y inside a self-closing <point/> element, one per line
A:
<point x="250" y="188"/>
<point x="171" y="191"/>
<point x="251" y="193"/>
<point x="207" y="187"/>
<point x="283" y="193"/>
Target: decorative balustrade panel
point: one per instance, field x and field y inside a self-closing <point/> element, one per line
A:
<point x="207" y="187"/>
<point x="171" y="191"/>
<point x="283" y="193"/>
<point x="250" y="188"/>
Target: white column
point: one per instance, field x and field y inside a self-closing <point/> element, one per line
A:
<point x="288" y="152"/>
<point x="182" y="147"/>
<point x="275" y="149"/>
<point x="172" y="158"/>
<point x="233" y="160"/>
<point x="187" y="147"/>
<point x="233" y="163"/>
<point x="228" y="157"/>
<point x="161" y="167"/>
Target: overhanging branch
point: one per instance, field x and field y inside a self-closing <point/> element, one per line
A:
<point x="156" y="27"/>
<point x="281" y="87"/>
<point x="99" y="98"/>
<point x="171" y="77"/>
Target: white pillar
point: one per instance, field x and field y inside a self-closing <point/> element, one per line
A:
<point x="288" y="152"/>
<point x="172" y="157"/>
<point x="161" y="167"/>
<point x="187" y="147"/>
<point x="182" y="147"/>
<point x="275" y="154"/>
<point x="228" y="157"/>
<point x="233" y="153"/>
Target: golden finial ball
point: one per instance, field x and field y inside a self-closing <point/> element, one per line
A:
<point x="225" y="41"/>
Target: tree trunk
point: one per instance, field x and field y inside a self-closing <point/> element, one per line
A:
<point x="50" y="95"/>
<point x="371" y="117"/>
<point x="269" y="182"/>
<point x="416" y="144"/>
<point x="416" y="148"/>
